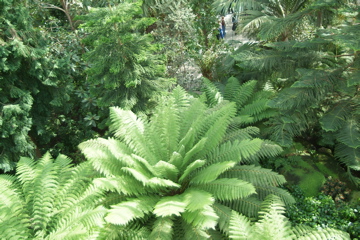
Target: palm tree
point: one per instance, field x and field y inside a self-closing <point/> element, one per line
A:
<point x="173" y="176"/>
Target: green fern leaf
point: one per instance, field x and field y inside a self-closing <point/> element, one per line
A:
<point x="212" y="94"/>
<point x="190" y="168"/>
<point x="168" y="206"/>
<point x="127" y="126"/>
<point x="124" y="185"/>
<point x="202" y="219"/>
<point x="224" y="213"/>
<point x="348" y="155"/>
<point x="307" y="233"/>
<point x="196" y="199"/>
<point x="250" y="147"/>
<point x="190" y="154"/>
<point x="166" y="170"/>
<point x="124" y="212"/>
<point x="256" y="175"/>
<point x="248" y="206"/>
<point x="232" y="89"/>
<point x="349" y="134"/>
<point x="335" y="118"/>
<point x="273" y="224"/>
<point x="211" y="172"/>
<point x="240" y="227"/>
<point x="228" y="188"/>
<point x="162" y="229"/>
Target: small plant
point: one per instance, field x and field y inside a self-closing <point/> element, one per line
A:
<point x="336" y="189"/>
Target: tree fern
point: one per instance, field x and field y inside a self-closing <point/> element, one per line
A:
<point x="53" y="201"/>
<point x="171" y="167"/>
<point x="274" y="225"/>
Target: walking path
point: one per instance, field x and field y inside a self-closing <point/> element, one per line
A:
<point x="231" y="37"/>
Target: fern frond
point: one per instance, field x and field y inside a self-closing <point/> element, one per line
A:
<point x="240" y="227"/>
<point x="196" y="199"/>
<point x="273" y="224"/>
<point x="127" y="126"/>
<point x="202" y="219"/>
<point x="349" y="134"/>
<point x="228" y="188"/>
<point x="249" y="147"/>
<point x="254" y="108"/>
<point x="165" y="122"/>
<point x="224" y="213"/>
<point x="211" y="172"/>
<point x="181" y="97"/>
<point x="232" y="89"/>
<point x="162" y="229"/>
<point x="213" y="95"/>
<point x="124" y="185"/>
<point x="335" y="117"/>
<point x="168" y="206"/>
<point x="107" y="155"/>
<point x="244" y="93"/>
<point x="264" y="191"/>
<point x="268" y="149"/>
<point x="308" y="233"/>
<point x="190" y="168"/>
<point x="256" y="175"/>
<point x="248" y="206"/>
<point x="133" y="208"/>
<point x="236" y="133"/>
<point x="217" y="130"/>
<point x="348" y="155"/>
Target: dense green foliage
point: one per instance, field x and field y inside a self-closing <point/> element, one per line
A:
<point x="50" y="199"/>
<point x="165" y="164"/>
<point x="323" y="211"/>
<point x="179" y="170"/>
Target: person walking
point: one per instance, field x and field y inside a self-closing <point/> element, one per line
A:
<point x="223" y="26"/>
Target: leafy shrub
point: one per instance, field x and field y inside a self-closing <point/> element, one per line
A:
<point x="323" y="212"/>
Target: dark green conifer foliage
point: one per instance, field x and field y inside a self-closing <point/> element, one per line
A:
<point x="173" y="175"/>
<point x="124" y="67"/>
<point x="26" y="70"/>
